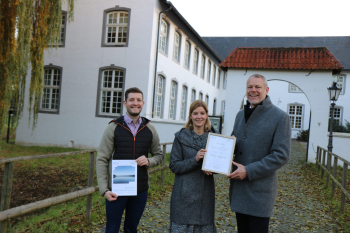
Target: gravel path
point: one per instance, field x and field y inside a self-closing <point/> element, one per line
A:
<point x="296" y="209"/>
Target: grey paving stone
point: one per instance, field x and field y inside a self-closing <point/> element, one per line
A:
<point x="295" y="209"/>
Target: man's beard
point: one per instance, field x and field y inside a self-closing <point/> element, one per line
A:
<point x="133" y="114"/>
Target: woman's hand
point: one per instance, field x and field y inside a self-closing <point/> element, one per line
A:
<point x="208" y="173"/>
<point x="200" y="154"/>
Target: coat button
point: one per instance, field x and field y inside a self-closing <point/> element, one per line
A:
<point x="244" y="137"/>
<point x="240" y="153"/>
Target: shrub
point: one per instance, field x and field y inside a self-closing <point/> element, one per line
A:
<point x="338" y="127"/>
<point x="303" y="135"/>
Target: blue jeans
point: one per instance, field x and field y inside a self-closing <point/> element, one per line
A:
<point x="134" y="207"/>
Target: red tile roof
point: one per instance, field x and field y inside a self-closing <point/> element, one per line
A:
<point x="316" y="58"/>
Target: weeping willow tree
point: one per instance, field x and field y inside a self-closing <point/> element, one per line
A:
<point x="27" y="29"/>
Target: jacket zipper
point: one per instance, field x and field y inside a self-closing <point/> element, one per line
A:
<point x="136" y="134"/>
<point x="133" y="157"/>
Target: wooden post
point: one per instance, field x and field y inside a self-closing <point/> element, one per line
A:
<point x="6" y="193"/>
<point x="163" y="163"/>
<point x="323" y="163"/>
<point x="329" y="163"/>
<point x="345" y="172"/>
<point x="318" y="160"/>
<point x="90" y="184"/>
<point x="335" y="166"/>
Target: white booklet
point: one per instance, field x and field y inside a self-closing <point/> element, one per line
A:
<point x="124" y="177"/>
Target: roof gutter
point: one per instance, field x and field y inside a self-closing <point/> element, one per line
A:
<point x="192" y="30"/>
<point x="156" y="62"/>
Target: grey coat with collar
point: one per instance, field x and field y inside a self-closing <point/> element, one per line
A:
<point x="262" y="146"/>
<point x="193" y="196"/>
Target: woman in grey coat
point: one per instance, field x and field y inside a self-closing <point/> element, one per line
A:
<point x="192" y="206"/>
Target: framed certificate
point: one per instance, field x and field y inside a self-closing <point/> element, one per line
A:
<point x="124" y="177"/>
<point x="216" y="122"/>
<point x="218" y="157"/>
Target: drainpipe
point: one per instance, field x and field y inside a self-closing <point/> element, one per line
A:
<point x="156" y="63"/>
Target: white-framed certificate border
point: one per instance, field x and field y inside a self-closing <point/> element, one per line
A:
<point x="124" y="177"/>
<point x="227" y="155"/>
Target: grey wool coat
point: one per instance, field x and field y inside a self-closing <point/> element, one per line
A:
<point x="262" y="146"/>
<point x="193" y="196"/>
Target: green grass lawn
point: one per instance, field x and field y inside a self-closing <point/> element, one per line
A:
<point x="43" y="178"/>
<point x="9" y="150"/>
<point x="36" y="180"/>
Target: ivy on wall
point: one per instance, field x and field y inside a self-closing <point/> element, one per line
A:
<point x="27" y="29"/>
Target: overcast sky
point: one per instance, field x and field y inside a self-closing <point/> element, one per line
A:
<point x="267" y="17"/>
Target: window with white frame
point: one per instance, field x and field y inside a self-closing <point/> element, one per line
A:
<point x="183" y="102"/>
<point x="208" y="71"/>
<point x="295" y="113"/>
<point x="200" y="97"/>
<point x="50" y="98"/>
<point x="214" y="75"/>
<point x="207" y="100"/>
<point x="187" y="54"/>
<point x="163" y="37"/>
<point x="195" y="61"/>
<point x="193" y="95"/>
<point x="116" y="28"/>
<point x="337" y="115"/>
<point x="294" y="89"/>
<point x="172" y="101"/>
<point x="159" y="96"/>
<point x="219" y="79"/>
<point x="176" y="54"/>
<point x="62" y="39"/>
<point x="110" y="92"/>
<point x="340" y="80"/>
<point x="223" y="108"/>
<point x="225" y="81"/>
<point x="202" y="67"/>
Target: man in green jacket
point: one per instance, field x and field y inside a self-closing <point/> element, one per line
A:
<point x="130" y="137"/>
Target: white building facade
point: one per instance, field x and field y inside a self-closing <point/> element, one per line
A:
<point x="108" y="49"/>
<point x="114" y="45"/>
<point x="292" y="99"/>
<point x="308" y="71"/>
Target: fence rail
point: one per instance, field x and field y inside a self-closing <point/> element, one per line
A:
<point x="324" y="166"/>
<point x="6" y="213"/>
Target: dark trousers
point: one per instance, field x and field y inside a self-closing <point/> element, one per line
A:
<point x="252" y="224"/>
<point x="134" y="207"/>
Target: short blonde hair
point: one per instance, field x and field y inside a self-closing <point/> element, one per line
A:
<point x="195" y="104"/>
<point x="259" y="76"/>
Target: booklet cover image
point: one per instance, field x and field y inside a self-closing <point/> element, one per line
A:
<point x="123" y="175"/>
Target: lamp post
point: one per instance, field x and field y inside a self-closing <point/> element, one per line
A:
<point x="334" y="92"/>
<point x="9" y="122"/>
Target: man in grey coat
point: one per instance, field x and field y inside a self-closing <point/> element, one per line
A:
<point x="263" y="134"/>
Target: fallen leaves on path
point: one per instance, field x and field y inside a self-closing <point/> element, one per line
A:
<point x="300" y="204"/>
